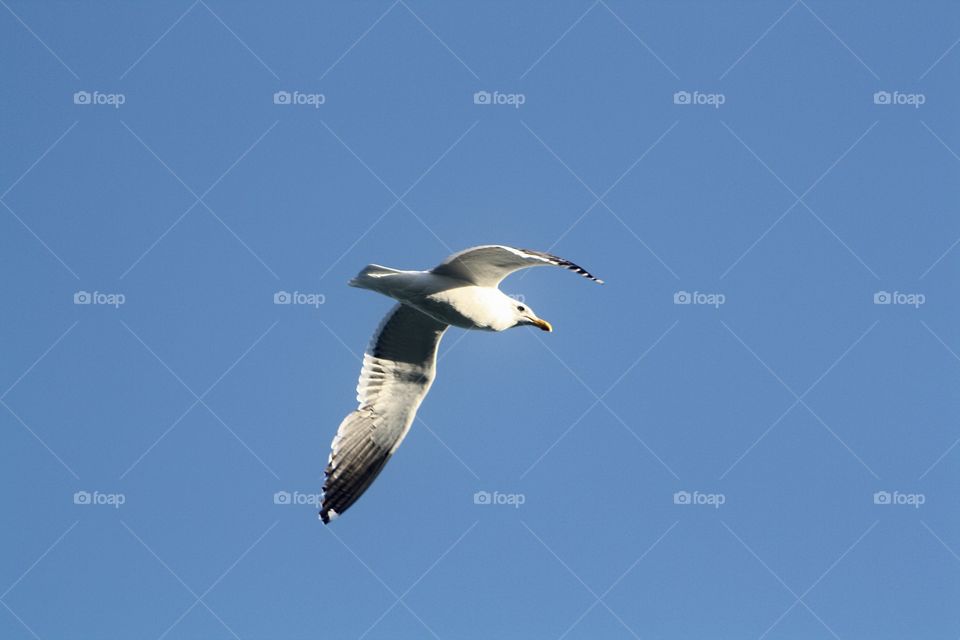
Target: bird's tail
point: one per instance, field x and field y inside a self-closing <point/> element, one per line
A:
<point x="370" y="276"/>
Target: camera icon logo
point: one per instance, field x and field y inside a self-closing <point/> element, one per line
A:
<point x="681" y="297"/>
<point x="281" y="497"/>
<point x="81" y="497"/>
<point x="881" y="97"/>
<point x="482" y="97"/>
<point x="281" y="297"/>
<point x="81" y="297"/>
<point x="881" y="497"/>
<point x="281" y="97"/>
<point x="81" y="97"/>
<point x="681" y="497"/>
<point x="482" y="497"/>
<point x="882" y="297"/>
<point x="681" y="97"/>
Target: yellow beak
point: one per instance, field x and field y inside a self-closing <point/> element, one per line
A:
<point x="543" y="324"/>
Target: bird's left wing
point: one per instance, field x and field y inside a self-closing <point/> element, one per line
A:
<point x="398" y="369"/>
<point x="487" y="265"/>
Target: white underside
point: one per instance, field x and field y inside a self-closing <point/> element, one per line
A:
<point x="447" y="300"/>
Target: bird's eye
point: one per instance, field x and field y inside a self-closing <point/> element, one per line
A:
<point x="520" y="307"/>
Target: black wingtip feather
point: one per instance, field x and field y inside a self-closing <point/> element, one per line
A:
<point x="353" y="467"/>
<point x="560" y="262"/>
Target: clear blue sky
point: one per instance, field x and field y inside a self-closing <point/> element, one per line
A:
<point x="146" y="432"/>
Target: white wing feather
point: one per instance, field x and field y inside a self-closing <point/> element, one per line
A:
<point x="488" y="265"/>
<point x="398" y="369"/>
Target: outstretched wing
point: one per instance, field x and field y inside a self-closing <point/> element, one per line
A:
<point x="398" y="369"/>
<point x="487" y="265"/>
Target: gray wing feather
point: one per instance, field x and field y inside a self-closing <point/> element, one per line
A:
<point x="487" y="265"/>
<point x="398" y="369"/>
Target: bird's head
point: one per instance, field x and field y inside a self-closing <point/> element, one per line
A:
<point x="524" y="315"/>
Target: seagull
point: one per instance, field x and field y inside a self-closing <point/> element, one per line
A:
<point x="400" y="364"/>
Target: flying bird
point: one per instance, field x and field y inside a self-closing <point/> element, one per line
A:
<point x="400" y="363"/>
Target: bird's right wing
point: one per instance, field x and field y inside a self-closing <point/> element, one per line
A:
<point x="398" y="369"/>
<point x="487" y="265"/>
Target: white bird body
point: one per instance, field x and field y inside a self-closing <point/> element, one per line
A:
<point x="400" y="364"/>
<point x="445" y="299"/>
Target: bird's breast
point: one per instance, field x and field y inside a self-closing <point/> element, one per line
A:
<point x="461" y="307"/>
